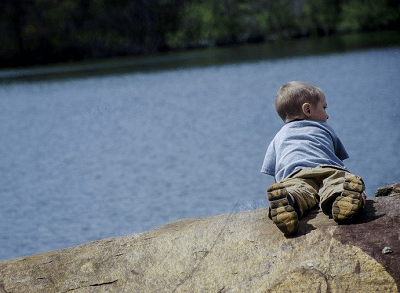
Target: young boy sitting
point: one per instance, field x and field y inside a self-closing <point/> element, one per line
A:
<point x="306" y="159"/>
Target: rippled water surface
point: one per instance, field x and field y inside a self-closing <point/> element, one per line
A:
<point x="98" y="156"/>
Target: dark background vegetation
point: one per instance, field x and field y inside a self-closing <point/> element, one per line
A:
<point x="48" y="31"/>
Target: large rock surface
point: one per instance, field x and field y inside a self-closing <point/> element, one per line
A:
<point x="237" y="252"/>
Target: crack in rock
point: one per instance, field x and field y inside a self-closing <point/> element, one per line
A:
<point x="94" y="285"/>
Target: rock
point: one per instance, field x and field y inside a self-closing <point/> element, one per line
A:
<point x="387" y="250"/>
<point x="237" y="252"/>
<point x="388" y="190"/>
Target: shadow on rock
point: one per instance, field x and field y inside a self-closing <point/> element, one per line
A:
<point x="369" y="214"/>
<point x="304" y="226"/>
<point x="376" y="232"/>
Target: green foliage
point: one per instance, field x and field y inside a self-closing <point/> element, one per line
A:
<point x="197" y="22"/>
<point x="42" y="31"/>
<point x="320" y="17"/>
<point x="206" y="24"/>
<point x="368" y="15"/>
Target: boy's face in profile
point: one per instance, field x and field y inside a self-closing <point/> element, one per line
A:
<point x="318" y="112"/>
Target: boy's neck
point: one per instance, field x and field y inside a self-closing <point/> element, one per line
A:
<point x="297" y="119"/>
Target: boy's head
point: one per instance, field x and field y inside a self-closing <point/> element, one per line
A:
<point x="300" y="100"/>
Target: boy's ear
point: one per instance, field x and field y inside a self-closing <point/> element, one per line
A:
<point x="306" y="109"/>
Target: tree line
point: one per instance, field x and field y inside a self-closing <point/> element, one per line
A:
<point x="48" y="31"/>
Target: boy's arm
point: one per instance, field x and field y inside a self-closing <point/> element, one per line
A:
<point x="338" y="146"/>
<point x="340" y="151"/>
<point x="269" y="163"/>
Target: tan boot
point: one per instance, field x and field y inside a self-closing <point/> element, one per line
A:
<point x="281" y="209"/>
<point x="351" y="201"/>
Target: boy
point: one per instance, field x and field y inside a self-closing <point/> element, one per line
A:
<point x="305" y="157"/>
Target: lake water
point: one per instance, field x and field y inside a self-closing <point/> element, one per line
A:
<point x="85" y="156"/>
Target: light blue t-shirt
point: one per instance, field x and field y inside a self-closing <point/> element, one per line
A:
<point x="300" y="144"/>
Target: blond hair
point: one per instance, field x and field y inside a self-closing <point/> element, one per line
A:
<point x="291" y="97"/>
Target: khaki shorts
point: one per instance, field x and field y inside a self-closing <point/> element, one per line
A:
<point x="310" y="186"/>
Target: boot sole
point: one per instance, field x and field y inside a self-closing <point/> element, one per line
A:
<point x="349" y="202"/>
<point x="281" y="210"/>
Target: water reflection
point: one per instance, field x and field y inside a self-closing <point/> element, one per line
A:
<point x="207" y="57"/>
